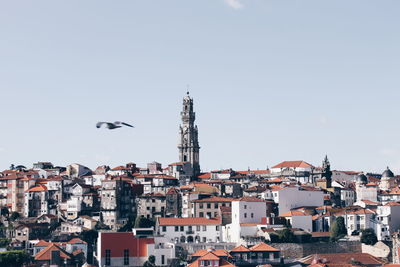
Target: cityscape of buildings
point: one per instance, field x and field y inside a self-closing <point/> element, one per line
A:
<point x="292" y="214"/>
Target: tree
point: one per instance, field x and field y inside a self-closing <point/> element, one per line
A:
<point x="15" y="258"/>
<point x="90" y="236"/>
<point x="142" y="222"/>
<point x="338" y="229"/>
<point x="15" y="215"/>
<point x="151" y="262"/>
<point x="286" y="236"/>
<point x="368" y="237"/>
<point x="129" y="225"/>
<point x="4" y="211"/>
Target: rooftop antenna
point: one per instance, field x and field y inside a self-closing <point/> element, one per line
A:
<point x="187" y="87"/>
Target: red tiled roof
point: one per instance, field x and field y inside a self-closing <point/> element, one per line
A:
<point x="345" y="258"/>
<point x="39" y="188"/>
<point x="240" y="248"/>
<point x="45" y="254"/>
<point x="189" y="221"/>
<point x="205" y="176"/>
<point x="263" y="247"/>
<point x="293" y="164"/>
<point x="249" y="199"/>
<point x="293" y="213"/>
<point x="392" y="204"/>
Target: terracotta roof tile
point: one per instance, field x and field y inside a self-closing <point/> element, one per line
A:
<point x="263" y="247"/>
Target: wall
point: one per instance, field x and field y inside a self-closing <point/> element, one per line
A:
<point x="295" y="251"/>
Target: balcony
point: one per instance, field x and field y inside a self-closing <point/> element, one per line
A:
<point x="190" y="232"/>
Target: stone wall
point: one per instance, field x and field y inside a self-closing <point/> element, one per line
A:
<point x="296" y="251"/>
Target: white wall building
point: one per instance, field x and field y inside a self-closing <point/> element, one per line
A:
<point x="190" y="230"/>
<point x="388" y="220"/>
<point x="292" y="197"/>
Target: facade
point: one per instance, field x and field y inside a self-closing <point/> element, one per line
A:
<point x="247" y="214"/>
<point x="388" y="220"/>
<point x="190" y="230"/>
<point x="210" y="207"/>
<point x="125" y="249"/>
<point x="152" y="205"/>
<point x="117" y="202"/>
<point x="291" y="197"/>
<point x="189" y="145"/>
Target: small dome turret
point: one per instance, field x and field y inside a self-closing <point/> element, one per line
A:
<point x="361" y="178"/>
<point x="387" y="173"/>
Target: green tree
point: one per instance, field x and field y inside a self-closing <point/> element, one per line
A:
<point x="286" y="236"/>
<point x="129" y="225"/>
<point x="90" y="236"/>
<point x="15" y="215"/>
<point x="15" y="258"/>
<point x="143" y="223"/>
<point x="338" y="229"/>
<point x="368" y="237"/>
<point x="151" y="262"/>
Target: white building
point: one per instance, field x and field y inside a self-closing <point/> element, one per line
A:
<point x="388" y="220"/>
<point x="247" y="214"/>
<point x="189" y="230"/>
<point x="125" y="249"/>
<point x="291" y="197"/>
<point x="299" y="219"/>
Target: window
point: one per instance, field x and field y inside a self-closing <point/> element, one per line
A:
<point x="204" y="228"/>
<point x="252" y="215"/>
<point x="245" y="215"/>
<point x="126" y="256"/>
<point x="204" y="239"/>
<point x="201" y="206"/>
<point x="209" y="206"/>
<point x="164" y="228"/>
<point x="216" y="206"/>
<point x="217" y="227"/>
<point x="176" y="228"/>
<point x="245" y="206"/>
<point x="108" y="257"/>
<point x="182" y="228"/>
<point x="198" y="228"/>
<point x="162" y="259"/>
<point x="201" y="214"/>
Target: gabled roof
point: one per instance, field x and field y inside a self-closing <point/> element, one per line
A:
<point x="293" y="164"/>
<point x="240" y="248"/>
<point x="45" y="254"/>
<point x="344" y="258"/>
<point x="39" y="188"/>
<point x="263" y="247"/>
<point x="293" y="213"/>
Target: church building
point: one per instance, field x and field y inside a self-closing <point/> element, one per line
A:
<point x="189" y="144"/>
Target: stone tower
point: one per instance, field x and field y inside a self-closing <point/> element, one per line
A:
<point x="189" y="144"/>
<point x="326" y="172"/>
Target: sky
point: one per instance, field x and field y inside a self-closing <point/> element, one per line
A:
<point x="272" y="80"/>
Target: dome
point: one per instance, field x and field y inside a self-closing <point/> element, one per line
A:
<point x="387" y="173"/>
<point x="361" y="178"/>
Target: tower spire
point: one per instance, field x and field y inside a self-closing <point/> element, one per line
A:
<point x="189" y="145"/>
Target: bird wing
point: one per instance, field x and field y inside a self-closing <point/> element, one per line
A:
<point x="126" y="124"/>
<point x="98" y="125"/>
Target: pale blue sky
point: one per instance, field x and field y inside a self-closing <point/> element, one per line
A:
<point x="271" y="80"/>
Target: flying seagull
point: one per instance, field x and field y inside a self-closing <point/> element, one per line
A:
<point x="113" y="125"/>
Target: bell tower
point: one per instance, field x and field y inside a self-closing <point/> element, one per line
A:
<point x="189" y="144"/>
